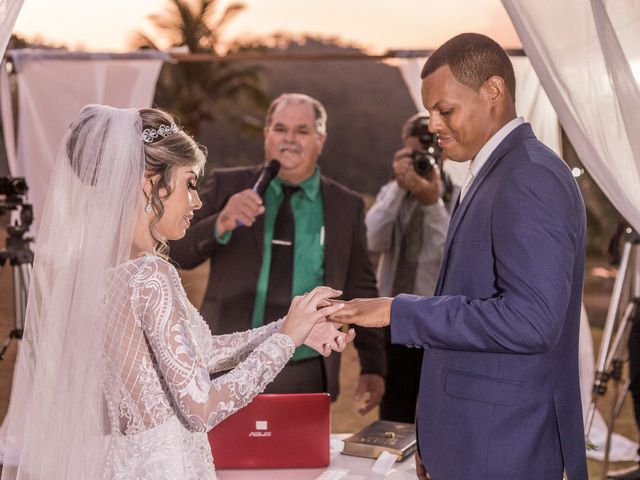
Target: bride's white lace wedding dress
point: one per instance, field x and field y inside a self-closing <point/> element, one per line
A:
<point x="159" y="356"/>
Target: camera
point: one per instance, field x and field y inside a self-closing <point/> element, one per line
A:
<point x="423" y="162"/>
<point x="426" y="157"/>
<point x="17" y="252"/>
<point x="13" y="186"/>
<point x="14" y="190"/>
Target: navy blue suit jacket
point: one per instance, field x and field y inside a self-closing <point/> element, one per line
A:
<point x="499" y="394"/>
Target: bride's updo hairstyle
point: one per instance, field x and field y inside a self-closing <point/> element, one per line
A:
<point x="83" y="136"/>
<point x="166" y="147"/>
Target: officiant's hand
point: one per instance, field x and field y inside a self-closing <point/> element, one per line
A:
<point x="307" y="310"/>
<point x="325" y="337"/>
<point x="366" y="312"/>
<point x="241" y="209"/>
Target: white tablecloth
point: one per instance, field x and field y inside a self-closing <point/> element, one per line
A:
<point x="342" y="467"/>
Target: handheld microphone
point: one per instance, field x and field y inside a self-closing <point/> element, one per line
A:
<point x="268" y="174"/>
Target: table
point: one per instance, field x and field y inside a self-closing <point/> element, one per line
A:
<point x="342" y="467"/>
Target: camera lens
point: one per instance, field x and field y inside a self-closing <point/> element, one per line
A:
<point x="13" y="186"/>
<point x="423" y="162"/>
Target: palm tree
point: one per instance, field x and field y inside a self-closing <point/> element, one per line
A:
<point x="190" y="90"/>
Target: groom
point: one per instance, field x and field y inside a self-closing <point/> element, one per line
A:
<point x="499" y="394"/>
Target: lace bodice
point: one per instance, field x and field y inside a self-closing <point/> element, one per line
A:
<point x="159" y="354"/>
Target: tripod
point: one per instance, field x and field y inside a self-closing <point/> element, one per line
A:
<point x="613" y="349"/>
<point x="20" y="257"/>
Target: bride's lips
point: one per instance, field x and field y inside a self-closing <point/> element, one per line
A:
<point x="187" y="219"/>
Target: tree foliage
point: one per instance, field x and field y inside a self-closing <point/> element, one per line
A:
<point x="200" y="91"/>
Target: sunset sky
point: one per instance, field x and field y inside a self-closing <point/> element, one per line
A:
<point x="376" y="25"/>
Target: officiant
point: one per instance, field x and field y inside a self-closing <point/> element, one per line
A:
<point x="308" y="230"/>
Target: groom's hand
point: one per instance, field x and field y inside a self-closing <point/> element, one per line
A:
<point x="366" y="312"/>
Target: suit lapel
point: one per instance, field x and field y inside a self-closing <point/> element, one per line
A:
<point x="258" y="235"/>
<point x="518" y="135"/>
<point x="331" y="224"/>
<point x="257" y="229"/>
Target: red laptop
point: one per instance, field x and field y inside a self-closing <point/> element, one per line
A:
<point x="275" y="431"/>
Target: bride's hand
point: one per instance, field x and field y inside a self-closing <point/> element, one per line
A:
<point x="326" y="337"/>
<point x="305" y="311"/>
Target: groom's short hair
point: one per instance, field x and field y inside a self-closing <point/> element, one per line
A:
<point x="473" y="59"/>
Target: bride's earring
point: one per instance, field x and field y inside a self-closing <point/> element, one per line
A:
<point x="147" y="208"/>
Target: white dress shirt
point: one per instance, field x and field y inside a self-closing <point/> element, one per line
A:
<point x="485" y="152"/>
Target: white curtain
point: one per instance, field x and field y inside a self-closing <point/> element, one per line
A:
<point x="531" y="102"/>
<point x="587" y="56"/>
<point x="52" y="88"/>
<point x="9" y="10"/>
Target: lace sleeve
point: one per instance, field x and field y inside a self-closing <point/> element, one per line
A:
<point x="165" y="316"/>
<point x="223" y="352"/>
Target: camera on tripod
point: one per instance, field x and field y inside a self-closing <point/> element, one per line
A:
<point x="14" y="190"/>
<point x="426" y="158"/>
<point x="17" y="252"/>
<point x="13" y="186"/>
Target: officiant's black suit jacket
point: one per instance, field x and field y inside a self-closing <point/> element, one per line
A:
<point x="230" y="294"/>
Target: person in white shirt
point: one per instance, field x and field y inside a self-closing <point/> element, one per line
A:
<point x="407" y="225"/>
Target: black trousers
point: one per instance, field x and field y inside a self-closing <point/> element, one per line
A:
<point x="304" y="376"/>
<point x="402" y="383"/>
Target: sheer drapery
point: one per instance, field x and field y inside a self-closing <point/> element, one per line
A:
<point x="52" y="88"/>
<point x="9" y="10"/>
<point x="587" y="56"/>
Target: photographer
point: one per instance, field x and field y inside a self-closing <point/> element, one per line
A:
<point x="408" y="225"/>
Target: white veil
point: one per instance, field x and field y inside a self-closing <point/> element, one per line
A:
<point x="9" y="10"/>
<point x="58" y="419"/>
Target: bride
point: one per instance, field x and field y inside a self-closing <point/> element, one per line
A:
<point x="113" y="377"/>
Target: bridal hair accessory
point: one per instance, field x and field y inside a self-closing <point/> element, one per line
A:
<point x="150" y="135"/>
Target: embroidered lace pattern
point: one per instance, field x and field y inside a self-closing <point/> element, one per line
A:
<point x="159" y="356"/>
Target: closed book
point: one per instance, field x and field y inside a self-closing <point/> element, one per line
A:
<point x="396" y="438"/>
